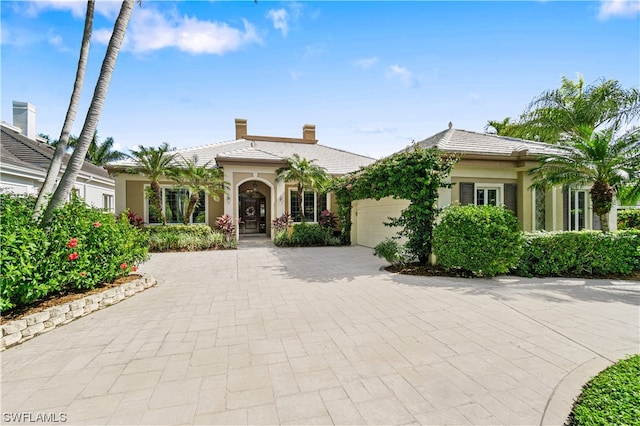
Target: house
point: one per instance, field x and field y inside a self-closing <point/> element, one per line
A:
<point x="25" y="159"/>
<point x="249" y="163"/>
<point x="492" y="170"/>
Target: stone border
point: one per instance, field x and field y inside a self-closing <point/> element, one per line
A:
<point x="21" y="330"/>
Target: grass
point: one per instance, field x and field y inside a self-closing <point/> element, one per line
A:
<point x="610" y="398"/>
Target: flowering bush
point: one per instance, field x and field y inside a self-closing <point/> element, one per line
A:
<point x="226" y="226"/>
<point x="80" y="248"/>
<point x="134" y="219"/>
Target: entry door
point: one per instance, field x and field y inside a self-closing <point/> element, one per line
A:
<point x="249" y="211"/>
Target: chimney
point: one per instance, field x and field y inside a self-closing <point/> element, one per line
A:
<point x="309" y="132"/>
<point x="24" y="116"/>
<point x="241" y="128"/>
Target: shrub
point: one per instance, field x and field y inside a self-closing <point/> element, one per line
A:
<point x="393" y="252"/>
<point x="80" y="248"/>
<point x="282" y="223"/>
<point x="629" y="219"/>
<point x="328" y="219"/>
<point x="306" y="235"/>
<point x="610" y="398"/>
<point x="580" y="253"/>
<point x="187" y="238"/>
<point x="484" y="240"/>
<point x="225" y="224"/>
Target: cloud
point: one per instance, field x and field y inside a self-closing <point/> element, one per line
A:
<point x="366" y="63"/>
<point x="376" y="130"/>
<point x="619" y="8"/>
<point x="401" y="73"/>
<point x="55" y="40"/>
<point x="151" y="30"/>
<point x="77" y="8"/>
<point x="280" y="19"/>
<point x="313" y="50"/>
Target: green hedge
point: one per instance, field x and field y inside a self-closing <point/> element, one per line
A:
<point x="610" y="398"/>
<point x="484" y="240"/>
<point x="580" y="253"/>
<point x="186" y="238"/>
<point x="629" y="219"/>
<point x="79" y="249"/>
<point x="307" y="235"/>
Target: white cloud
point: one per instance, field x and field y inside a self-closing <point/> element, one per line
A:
<point x="401" y="73"/>
<point x="151" y="30"/>
<point x="314" y="50"/>
<point x="366" y="63"/>
<point x="619" y="8"/>
<point x="280" y="19"/>
<point x="78" y="8"/>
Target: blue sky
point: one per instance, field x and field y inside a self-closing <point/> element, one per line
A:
<point x="372" y="76"/>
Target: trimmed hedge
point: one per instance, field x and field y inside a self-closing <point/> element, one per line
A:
<point x="483" y="240"/>
<point x="186" y="238"/>
<point x="307" y="235"/>
<point x="80" y="248"/>
<point x="629" y="219"/>
<point x="580" y="253"/>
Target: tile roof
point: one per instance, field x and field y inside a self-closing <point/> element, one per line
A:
<point x="467" y="142"/>
<point x="336" y="161"/>
<point x="19" y="150"/>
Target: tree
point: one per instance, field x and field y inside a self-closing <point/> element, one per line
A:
<point x="99" y="153"/>
<point x="608" y="161"/>
<point x="95" y="109"/>
<point x="58" y="156"/>
<point x="205" y="178"/>
<point x="154" y="163"/>
<point x="306" y="174"/>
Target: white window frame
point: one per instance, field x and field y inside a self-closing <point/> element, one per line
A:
<point x="588" y="220"/>
<point x="163" y="187"/>
<point x="499" y="187"/>
<point x="107" y="202"/>
<point x="316" y="213"/>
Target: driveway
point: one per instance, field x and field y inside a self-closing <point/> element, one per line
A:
<point x="261" y="335"/>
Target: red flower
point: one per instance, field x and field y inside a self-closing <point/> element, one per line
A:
<point x="123" y="266"/>
<point x="73" y="256"/>
<point x="133" y="268"/>
<point x="72" y="243"/>
<point x="83" y="274"/>
<point x="97" y="224"/>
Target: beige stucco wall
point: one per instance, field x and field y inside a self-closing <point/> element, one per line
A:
<point x="368" y="217"/>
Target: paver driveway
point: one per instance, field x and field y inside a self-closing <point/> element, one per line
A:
<point x="319" y="336"/>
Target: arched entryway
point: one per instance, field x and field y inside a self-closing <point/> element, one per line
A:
<point x="253" y="211"/>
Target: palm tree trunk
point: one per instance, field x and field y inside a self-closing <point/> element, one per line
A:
<point x="604" y="222"/>
<point x="95" y="109"/>
<point x="61" y="148"/>
<point x="193" y="200"/>
<point x="157" y="200"/>
<point x="301" y="200"/>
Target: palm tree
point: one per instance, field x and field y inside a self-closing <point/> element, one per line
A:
<point x="103" y="153"/>
<point x="154" y="163"/>
<point x="58" y="155"/>
<point x="95" y="109"/>
<point x="599" y="157"/>
<point x="306" y="174"/>
<point x="205" y="178"/>
<point x="577" y="110"/>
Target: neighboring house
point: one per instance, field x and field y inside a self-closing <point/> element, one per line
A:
<point x="249" y="163"/>
<point x="492" y="170"/>
<point x="25" y="159"/>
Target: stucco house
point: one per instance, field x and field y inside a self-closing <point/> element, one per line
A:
<point x="25" y="159"/>
<point x="492" y="170"/>
<point x="249" y="163"/>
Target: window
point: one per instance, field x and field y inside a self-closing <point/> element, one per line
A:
<point x="107" y="201"/>
<point x="174" y="203"/>
<point x="540" y="208"/>
<point x="314" y="204"/>
<point x="488" y="195"/>
<point x="577" y="210"/>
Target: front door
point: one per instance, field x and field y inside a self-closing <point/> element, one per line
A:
<point x="249" y="213"/>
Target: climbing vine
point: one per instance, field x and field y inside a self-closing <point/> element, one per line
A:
<point x="414" y="175"/>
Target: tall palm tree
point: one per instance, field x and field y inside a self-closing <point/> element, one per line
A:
<point x="306" y="174"/>
<point x="594" y="157"/>
<point x="95" y="109"/>
<point x="58" y="155"/>
<point x="577" y="110"/>
<point x="205" y="178"/>
<point x="103" y="152"/>
<point x="154" y="163"/>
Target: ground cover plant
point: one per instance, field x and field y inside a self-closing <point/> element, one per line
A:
<point x="80" y="248"/>
<point x="307" y="235"/>
<point x="189" y="238"/>
<point x="610" y="398"/>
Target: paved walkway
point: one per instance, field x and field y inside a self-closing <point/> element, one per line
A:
<point x="320" y="336"/>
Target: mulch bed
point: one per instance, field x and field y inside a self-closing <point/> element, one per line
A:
<point x="61" y="298"/>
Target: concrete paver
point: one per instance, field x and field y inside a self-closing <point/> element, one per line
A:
<point x="262" y="335"/>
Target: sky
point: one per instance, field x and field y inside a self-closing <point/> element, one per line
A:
<point x="373" y="76"/>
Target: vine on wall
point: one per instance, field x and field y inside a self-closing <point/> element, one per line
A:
<point x="414" y="175"/>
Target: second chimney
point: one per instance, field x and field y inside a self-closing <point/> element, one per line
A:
<point x="309" y="132"/>
<point x="241" y="128"/>
<point x="24" y="116"/>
